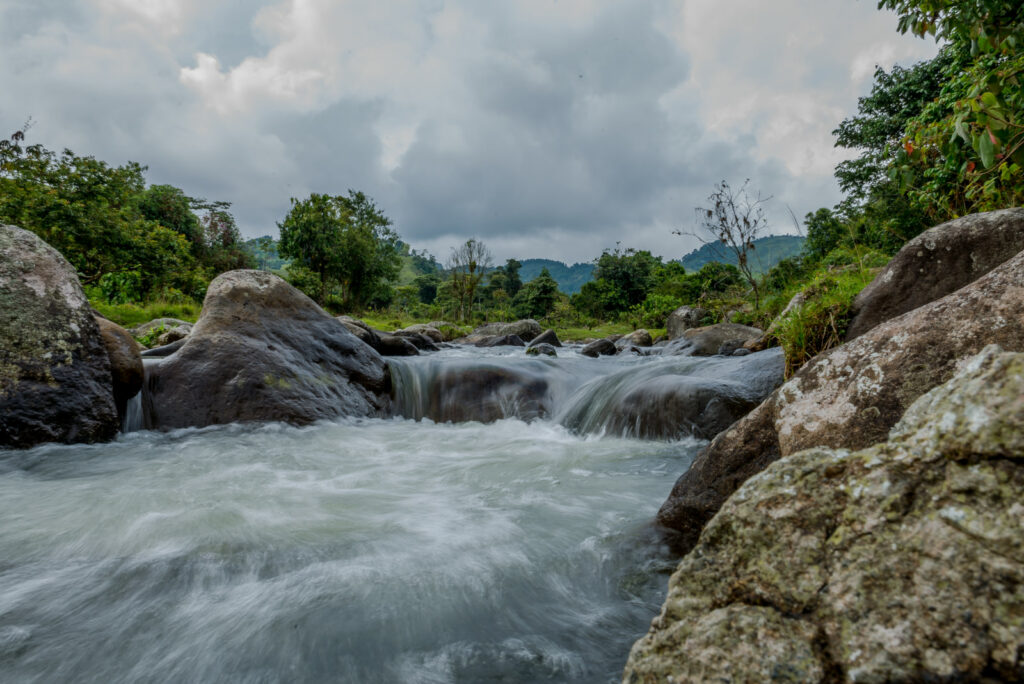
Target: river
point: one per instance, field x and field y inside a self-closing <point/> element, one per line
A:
<point x="371" y="550"/>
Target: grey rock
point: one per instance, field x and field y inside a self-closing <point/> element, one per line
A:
<point x="850" y="396"/>
<point x="262" y="350"/>
<point x="708" y="340"/>
<point x="903" y="561"/>
<point x="603" y="347"/>
<point x="542" y="348"/>
<point x="55" y="379"/>
<point x="682" y="319"/>
<point x="936" y="263"/>
<point x="502" y="341"/>
<point x="127" y="372"/>
<point x="547" y="337"/>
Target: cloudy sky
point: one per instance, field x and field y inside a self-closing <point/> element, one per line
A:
<point x="546" y="128"/>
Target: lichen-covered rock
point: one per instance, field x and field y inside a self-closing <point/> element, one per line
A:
<point x="682" y="319"/>
<point x="708" y="340"/>
<point x="900" y="562"/>
<point x="850" y="396"/>
<point x="55" y="382"/>
<point x="262" y="350"/>
<point x="126" y="370"/>
<point x="143" y="329"/>
<point x="937" y="262"/>
<point x="542" y="348"/>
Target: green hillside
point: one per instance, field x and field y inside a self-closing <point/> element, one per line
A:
<point x="569" y="278"/>
<point x="767" y="252"/>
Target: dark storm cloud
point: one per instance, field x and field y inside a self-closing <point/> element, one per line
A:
<point x="546" y="128"/>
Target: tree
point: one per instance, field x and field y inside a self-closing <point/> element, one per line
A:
<point x="734" y="219"/>
<point x="824" y="233"/>
<point x="467" y="266"/>
<point x="345" y="241"/>
<point x="537" y="298"/>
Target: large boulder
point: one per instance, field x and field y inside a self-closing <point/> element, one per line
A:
<point x="55" y="382"/>
<point x="262" y="350"/>
<point x="850" y="396"/>
<point x="392" y="345"/>
<point x="900" y="562"/>
<point x="418" y="340"/>
<point x="502" y="341"/>
<point x="937" y="262"/>
<point x="708" y="340"/>
<point x="361" y="330"/>
<point x="126" y="370"/>
<point x="682" y="319"/>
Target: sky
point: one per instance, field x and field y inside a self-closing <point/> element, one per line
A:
<point x="544" y="128"/>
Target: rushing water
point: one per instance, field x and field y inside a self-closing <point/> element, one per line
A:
<point x="359" y="550"/>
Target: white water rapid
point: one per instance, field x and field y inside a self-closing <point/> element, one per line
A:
<point x="379" y="550"/>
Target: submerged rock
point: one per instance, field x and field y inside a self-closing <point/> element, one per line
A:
<point x="127" y="372"/>
<point x="708" y="340"/>
<point x="262" y="350"/>
<point x="542" y="348"/>
<point x="850" y="396"/>
<point x="603" y="347"/>
<point x="55" y="380"/>
<point x="900" y="562"/>
<point x="502" y="341"/>
<point x="937" y="262"/>
<point x="671" y="400"/>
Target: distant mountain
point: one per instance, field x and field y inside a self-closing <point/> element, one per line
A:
<point x="569" y="278"/>
<point x="767" y="252"/>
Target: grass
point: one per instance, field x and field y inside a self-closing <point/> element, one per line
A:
<point x="130" y="315"/>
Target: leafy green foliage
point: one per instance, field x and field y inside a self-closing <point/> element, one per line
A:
<point x="345" y="242"/>
<point x="537" y="298"/>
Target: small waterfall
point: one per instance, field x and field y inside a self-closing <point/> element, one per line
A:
<point x="670" y="398"/>
<point x="466" y="389"/>
<point x="133" y="417"/>
<point x="650" y="398"/>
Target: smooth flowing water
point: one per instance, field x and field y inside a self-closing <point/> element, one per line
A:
<point x="384" y="550"/>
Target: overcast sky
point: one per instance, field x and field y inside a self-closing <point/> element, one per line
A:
<point x="546" y="128"/>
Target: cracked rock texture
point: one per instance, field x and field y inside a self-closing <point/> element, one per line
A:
<point x="850" y="396"/>
<point x="900" y="562"/>
<point x="55" y="381"/>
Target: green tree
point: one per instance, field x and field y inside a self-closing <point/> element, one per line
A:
<point x="345" y="241"/>
<point x="825" y="231"/>
<point x="537" y="298"/>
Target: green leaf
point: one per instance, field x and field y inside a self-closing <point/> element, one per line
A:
<point x="989" y="100"/>
<point x="987" y="150"/>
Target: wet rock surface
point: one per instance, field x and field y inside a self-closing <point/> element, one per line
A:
<point x="262" y="350"/>
<point x="852" y="395"/>
<point x="125" y="358"/>
<point x="682" y="319"/>
<point x="602" y="347"/>
<point x="547" y="337"/>
<point x="900" y="562"/>
<point x="708" y="340"/>
<point x="55" y="379"/>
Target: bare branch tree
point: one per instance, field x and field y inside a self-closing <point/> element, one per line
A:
<point x="734" y="219"/>
<point x="467" y="264"/>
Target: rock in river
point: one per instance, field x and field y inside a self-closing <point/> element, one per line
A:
<point x="900" y="562"/>
<point x="262" y="350"/>
<point x="850" y="396"/>
<point x="55" y="381"/>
